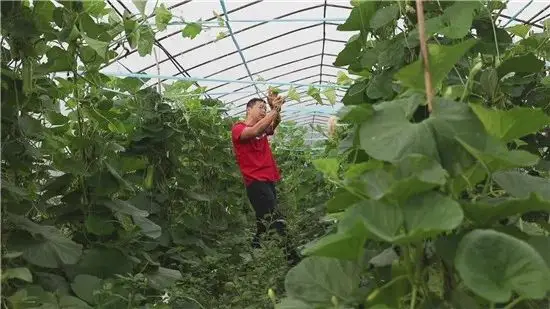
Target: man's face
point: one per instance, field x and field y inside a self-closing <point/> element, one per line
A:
<point x="258" y="111"/>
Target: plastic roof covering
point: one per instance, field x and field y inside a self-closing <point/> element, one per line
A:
<point x="281" y="41"/>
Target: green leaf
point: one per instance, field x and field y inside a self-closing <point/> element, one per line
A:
<point x="146" y="39"/>
<point x="95" y="7"/>
<point x="388" y="135"/>
<point x="350" y="52"/>
<point x="93" y="263"/>
<point x="51" y="250"/>
<point x="542" y="245"/>
<point x="520" y="30"/>
<point x="125" y="208"/>
<point x="140" y="5"/>
<point x="528" y="63"/>
<point x="494" y="265"/>
<point x="148" y="227"/>
<point x="359" y="17"/>
<point x="415" y="219"/>
<point x="191" y="30"/>
<point x="99" y="225"/>
<point x="343" y="79"/>
<point x="290" y="303"/>
<point x="315" y="94"/>
<point x="309" y="280"/>
<point x="131" y="30"/>
<point x="340" y="201"/>
<point x="458" y="18"/>
<point x="442" y="59"/>
<point x="293" y="94"/>
<point x="84" y="287"/>
<point x="490" y="210"/>
<point x="162" y="17"/>
<point x="328" y="166"/>
<point x="347" y="245"/>
<point x="508" y="125"/>
<point x="355" y="114"/>
<point x="100" y="47"/>
<point x="71" y="302"/>
<point x="495" y="155"/>
<point x="330" y="94"/>
<point x="521" y="185"/>
<point x="21" y="273"/>
<point x="384" y="16"/>
<point x="164" y="278"/>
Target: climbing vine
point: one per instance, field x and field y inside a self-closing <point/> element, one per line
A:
<point x="440" y="204"/>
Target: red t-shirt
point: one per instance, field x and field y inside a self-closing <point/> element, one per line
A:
<point x="254" y="156"/>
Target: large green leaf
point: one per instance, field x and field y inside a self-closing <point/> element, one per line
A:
<point x="341" y="200"/>
<point x="316" y="280"/>
<point x="495" y="156"/>
<point x="384" y="16"/>
<point x="125" y="208"/>
<point x="350" y="52"/>
<point x="528" y="63"/>
<point x="291" y="303"/>
<point x="21" y="273"/>
<point x="411" y="175"/>
<point x="164" y="278"/>
<point x="389" y="135"/>
<point x="512" y="124"/>
<point x="328" y="166"/>
<point x="52" y="249"/>
<point x="359" y="17"/>
<point x="421" y="216"/>
<point x="494" y="265"/>
<point x="490" y="210"/>
<point x="458" y="18"/>
<point x="99" y="225"/>
<point x="522" y="185"/>
<point x="84" y="286"/>
<point x="100" y="47"/>
<point x="442" y="59"/>
<point x="148" y="227"/>
<point x="93" y="263"/>
<point x="343" y="245"/>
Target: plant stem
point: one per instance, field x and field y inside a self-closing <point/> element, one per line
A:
<point x="424" y="51"/>
<point x="413" y="299"/>
<point x="513" y="303"/>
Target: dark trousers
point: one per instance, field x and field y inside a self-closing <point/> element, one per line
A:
<point x="263" y="197"/>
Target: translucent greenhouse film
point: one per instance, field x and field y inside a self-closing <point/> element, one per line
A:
<point x="246" y="46"/>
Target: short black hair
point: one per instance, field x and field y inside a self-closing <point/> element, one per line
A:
<point x="253" y="102"/>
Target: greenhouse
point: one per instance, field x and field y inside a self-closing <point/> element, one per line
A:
<point x="279" y="154"/>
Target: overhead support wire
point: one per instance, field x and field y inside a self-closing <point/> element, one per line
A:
<point x="156" y="42"/>
<point x="179" y="32"/>
<point x="154" y="76"/>
<point x="323" y="48"/>
<point x="224" y="9"/>
<point x="540" y="12"/>
<point x="236" y="32"/>
<point x="517" y="13"/>
<point x="269" y="69"/>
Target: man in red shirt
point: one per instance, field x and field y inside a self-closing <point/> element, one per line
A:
<point x="257" y="165"/>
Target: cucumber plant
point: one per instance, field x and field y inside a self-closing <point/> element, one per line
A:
<point x="443" y="194"/>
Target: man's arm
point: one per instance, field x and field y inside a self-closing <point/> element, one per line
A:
<point x="271" y="129"/>
<point x="260" y="127"/>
